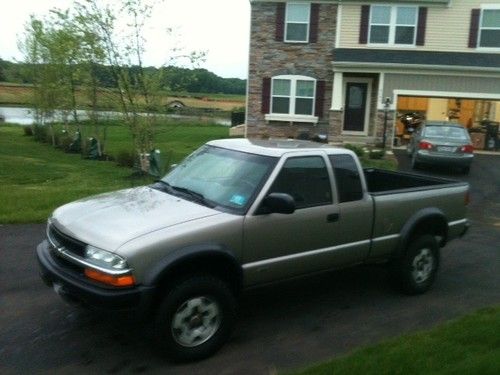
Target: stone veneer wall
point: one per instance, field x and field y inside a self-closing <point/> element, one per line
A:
<point x="269" y="58"/>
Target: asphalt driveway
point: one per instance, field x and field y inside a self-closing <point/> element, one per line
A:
<point x="280" y="327"/>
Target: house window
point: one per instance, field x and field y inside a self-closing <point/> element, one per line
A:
<point x="489" y="32"/>
<point x="393" y="24"/>
<point x="293" y="95"/>
<point x="297" y="22"/>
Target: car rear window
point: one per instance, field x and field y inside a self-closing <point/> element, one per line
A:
<point x="450" y="132"/>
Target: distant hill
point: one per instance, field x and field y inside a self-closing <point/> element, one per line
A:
<point x="171" y="78"/>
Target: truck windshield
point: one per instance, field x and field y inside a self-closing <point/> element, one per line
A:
<point x="222" y="178"/>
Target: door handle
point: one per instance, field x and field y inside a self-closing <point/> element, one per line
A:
<point x="331" y="218"/>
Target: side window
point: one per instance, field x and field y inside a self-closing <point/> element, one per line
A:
<point x="306" y="180"/>
<point x="347" y="177"/>
<point x="297" y="22"/>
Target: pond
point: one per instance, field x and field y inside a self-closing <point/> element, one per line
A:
<point x="25" y="116"/>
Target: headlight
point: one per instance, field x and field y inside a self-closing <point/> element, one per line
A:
<point x="104" y="258"/>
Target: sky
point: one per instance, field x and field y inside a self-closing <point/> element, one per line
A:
<point x="219" y="27"/>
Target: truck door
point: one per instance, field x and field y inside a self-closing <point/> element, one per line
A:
<point x="277" y="245"/>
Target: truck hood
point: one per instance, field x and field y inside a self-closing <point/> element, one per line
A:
<point x="109" y="220"/>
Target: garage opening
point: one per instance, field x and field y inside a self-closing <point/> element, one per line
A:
<point x="479" y="116"/>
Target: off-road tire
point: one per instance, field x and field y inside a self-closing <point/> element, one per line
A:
<point x="203" y="290"/>
<point x="415" y="271"/>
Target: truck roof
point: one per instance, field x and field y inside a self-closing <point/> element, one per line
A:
<point x="275" y="147"/>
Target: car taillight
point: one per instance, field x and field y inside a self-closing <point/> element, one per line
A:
<point x="469" y="149"/>
<point x="425" y="145"/>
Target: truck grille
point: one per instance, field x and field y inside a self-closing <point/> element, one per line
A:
<point x="62" y="240"/>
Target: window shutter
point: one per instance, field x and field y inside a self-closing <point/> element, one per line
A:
<point x="313" y="27"/>
<point x="363" y="27"/>
<point x="474" y="27"/>
<point x="422" y="23"/>
<point x="280" y="22"/>
<point x="266" y="94"/>
<point x="320" y="98"/>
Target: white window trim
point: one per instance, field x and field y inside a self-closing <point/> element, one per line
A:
<point x="369" y="81"/>
<point x="478" y="42"/>
<point x="392" y="27"/>
<point x="291" y="116"/>
<point x="308" y="23"/>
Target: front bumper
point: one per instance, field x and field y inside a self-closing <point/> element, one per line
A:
<point x="76" y="288"/>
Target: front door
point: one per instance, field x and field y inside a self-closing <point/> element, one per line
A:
<point x="356" y="94"/>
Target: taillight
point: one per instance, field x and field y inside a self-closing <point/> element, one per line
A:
<point x="425" y="145"/>
<point x="468" y="149"/>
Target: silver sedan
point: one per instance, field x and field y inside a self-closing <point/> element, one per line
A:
<point x="441" y="143"/>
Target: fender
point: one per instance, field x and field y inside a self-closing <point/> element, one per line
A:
<point x="415" y="220"/>
<point x="191" y="253"/>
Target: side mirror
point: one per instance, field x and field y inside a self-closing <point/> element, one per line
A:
<point x="278" y="203"/>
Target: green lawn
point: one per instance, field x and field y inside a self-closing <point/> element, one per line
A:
<point x="36" y="178"/>
<point x="470" y="345"/>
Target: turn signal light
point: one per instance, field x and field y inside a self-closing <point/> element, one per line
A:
<point x="425" y="145"/>
<point x="121" y="281"/>
<point x="469" y="149"/>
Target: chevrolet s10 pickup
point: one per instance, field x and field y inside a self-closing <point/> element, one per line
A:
<point x="241" y="213"/>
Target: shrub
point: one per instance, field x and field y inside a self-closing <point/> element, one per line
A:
<point x="376" y="154"/>
<point x="64" y="141"/>
<point x="126" y="158"/>
<point x="358" y="150"/>
<point x="28" y="131"/>
<point x="40" y="133"/>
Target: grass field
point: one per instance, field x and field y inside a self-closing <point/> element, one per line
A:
<point x="470" y="345"/>
<point x="22" y="95"/>
<point x="36" y="178"/>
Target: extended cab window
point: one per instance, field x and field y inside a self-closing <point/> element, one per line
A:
<point x="346" y="173"/>
<point x="306" y="180"/>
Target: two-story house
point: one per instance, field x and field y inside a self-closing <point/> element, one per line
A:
<point x="334" y="66"/>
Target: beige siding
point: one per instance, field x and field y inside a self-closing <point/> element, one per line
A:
<point x="447" y="27"/>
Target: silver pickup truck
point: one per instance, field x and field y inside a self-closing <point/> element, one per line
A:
<point x="237" y="214"/>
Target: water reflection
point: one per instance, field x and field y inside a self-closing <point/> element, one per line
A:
<point x="25" y="116"/>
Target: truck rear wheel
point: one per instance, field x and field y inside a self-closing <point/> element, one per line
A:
<point x="415" y="272"/>
<point x="195" y="318"/>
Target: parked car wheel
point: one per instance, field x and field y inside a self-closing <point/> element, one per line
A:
<point x="415" y="272"/>
<point x="195" y="318"/>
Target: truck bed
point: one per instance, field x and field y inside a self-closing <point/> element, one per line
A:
<point x="380" y="182"/>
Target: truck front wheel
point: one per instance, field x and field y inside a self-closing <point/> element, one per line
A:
<point x="195" y="318"/>
<point x="415" y="272"/>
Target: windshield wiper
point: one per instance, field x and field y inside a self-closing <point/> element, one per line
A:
<point x="162" y="186"/>
<point x="198" y="197"/>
